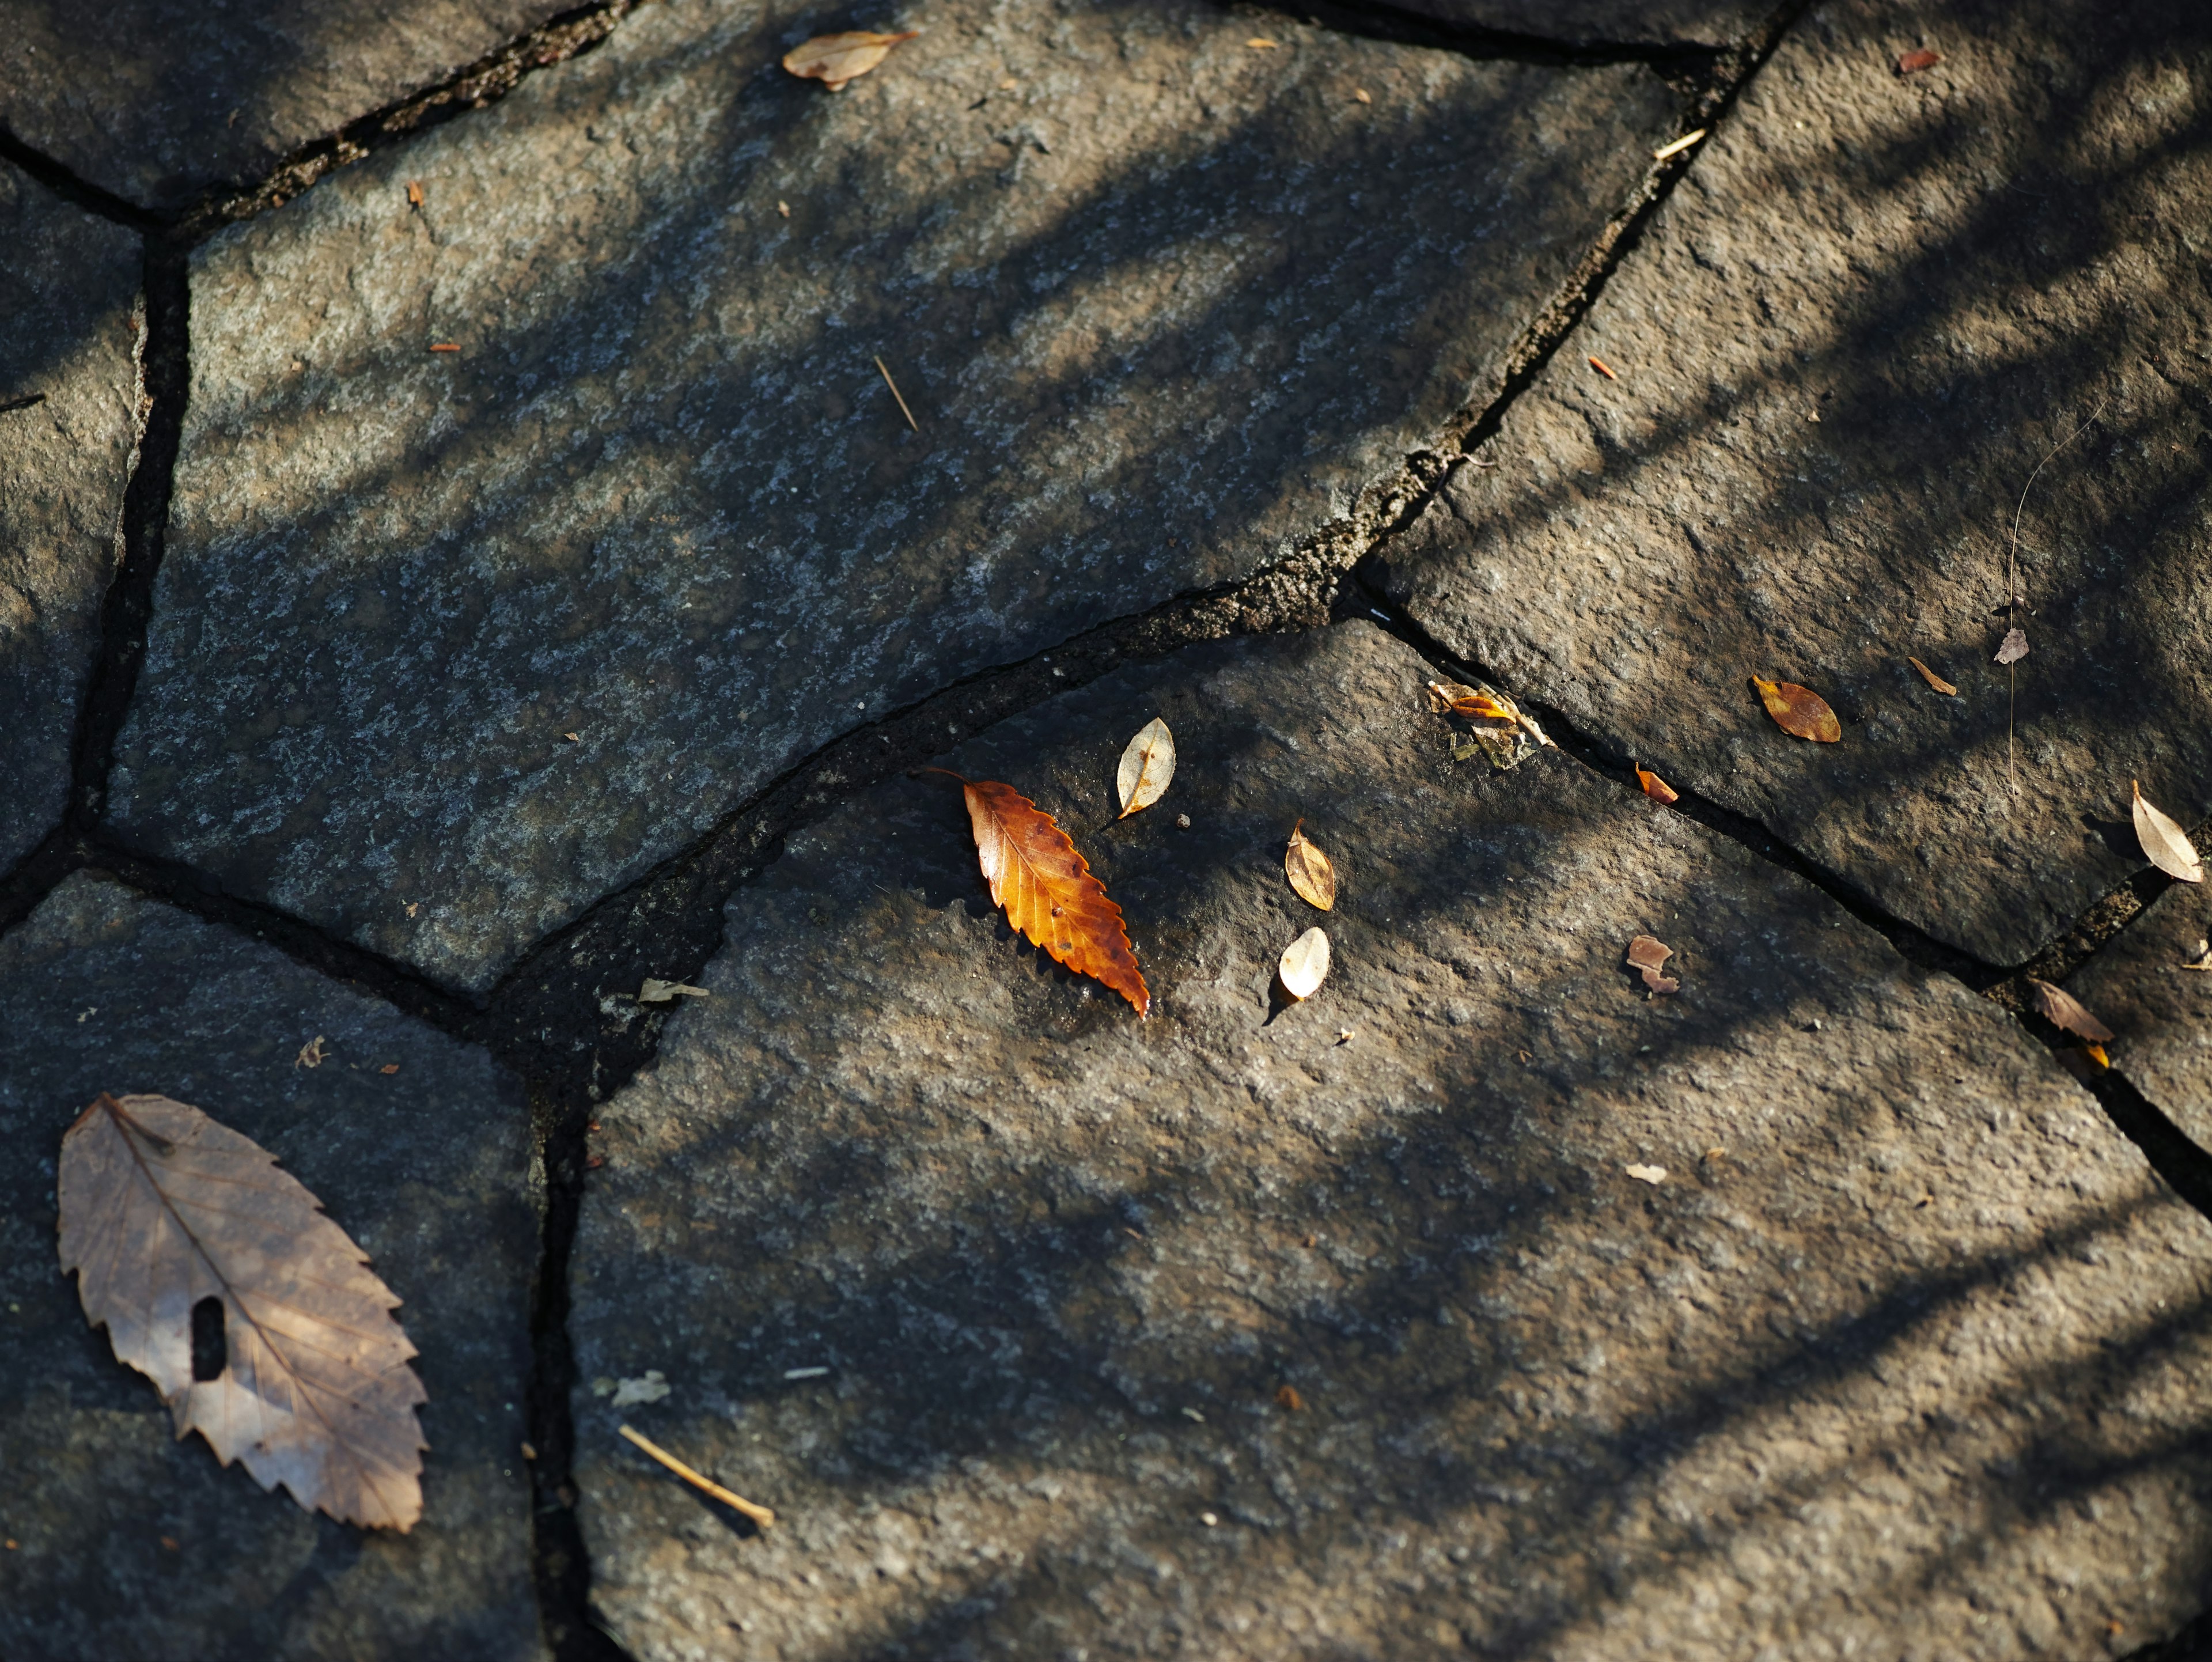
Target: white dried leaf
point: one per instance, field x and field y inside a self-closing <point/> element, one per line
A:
<point x="1650" y="1174"/>
<point x="665" y="992"/>
<point x="1147" y="765"/>
<point x="2013" y="646"/>
<point x="1304" y="964"/>
<point x="2165" y="842"/>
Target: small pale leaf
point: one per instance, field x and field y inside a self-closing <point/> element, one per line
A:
<point x="1147" y="765"/>
<point x="666" y="992"/>
<point x="2014" y="647"/>
<point x="2165" y="842"/>
<point x="2061" y="1009"/>
<point x="162" y="1208"/>
<point x="1309" y="871"/>
<point x="1304" y="964"/>
<point x="833" y="59"/>
<point x="1799" y="711"/>
<point x="1933" y="679"/>
<point x="1654" y="1175"/>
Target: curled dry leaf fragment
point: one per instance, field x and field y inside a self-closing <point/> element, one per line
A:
<point x="1289" y="1397"/>
<point x="1654" y="1175"/>
<point x="414" y="192"/>
<point x="1648" y="955"/>
<point x="1260" y="43"/>
<point x="2165" y="844"/>
<point x="2061" y="1009"/>
<point x="312" y="1054"/>
<point x="1799" y="711"/>
<point x="1047" y="889"/>
<point x="1912" y="62"/>
<point x="163" y="1210"/>
<point x="1304" y="964"/>
<point x="2013" y="646"/>
<point x="1656" y="788"/>
<point x="668" y="992"/>
<point x="1309" y="871"/>
<point x="1933" y="679"/>
<point x="1147" y="765"/>
<point x="833" y="59"/>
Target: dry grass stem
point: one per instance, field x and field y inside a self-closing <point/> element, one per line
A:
<point x="760" y="1515"/>
<point x="893" y="385"/>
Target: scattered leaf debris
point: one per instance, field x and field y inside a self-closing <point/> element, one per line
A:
<point x="1309" y="871"/>
<point x="312" y="1054"/>
<point x="1289" y="1397"/>
<point x="649" y="1387"/>
<point x="1649" y="955"/>
<point x="1148" y="765"/>
<point x="389" y="1067"/>
<point x="1654" y="786"/>
<point x="1799" y="711"/>
<point x="414" y="192"/>
<point x="1912" y="62"/>
<point x="2061" y="1009"/>
<point x="1046" y="888"/>
<point x="1933" y="679"/>
<point x="1260" y="43"/>
<point x="1304" y="964"/>
<point x="1678" y="146"/>
<point x="1502" y="731"/>
<point x="783" y="208"/>
<point x="445" y="346"/>
<point x="1360" y="92"/>
<point x="2013" y="646"/>
<point x="2164" y="843"/>
<point x="2203" y="960"/>
<point x="760" y="1515"/>
<point x="833" y="59"/>
<point x="668" y="992"/>
<point x="1654" y="1175"/>
<point x="1603" y="368"/>
<point x="2096" y="1054"/>
<point x="164" y="1208"/>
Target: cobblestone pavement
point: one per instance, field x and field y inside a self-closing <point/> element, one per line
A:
<point x="498" y="503"/>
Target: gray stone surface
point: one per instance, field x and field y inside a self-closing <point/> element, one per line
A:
<point x="156" y="100"/>
<point x="2162" y="1012"/>
<point x="1161" y="306"/>
<point x="1607" y="22"/>
<point x="124" y="1543"/>
<point x="1951" y="271"/>
<point x="69" y="286"/>
<point x="1903" y="1358"/>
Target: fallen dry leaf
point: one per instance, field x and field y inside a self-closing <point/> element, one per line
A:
<point x="2164" y="843"/>
<point x="1654" y="1175"/>
<point x="444" y="346"/>
<point x="1647" y="954"/>
<point x="666" y="992"/>
<point x="389" y="1067"/>
<point x="1047" y="889"/>
<point x="1289" y="1397"/>
<point x="1603" y="368"/>
<point x="1501" y="739"/>
<point x="312" y="1054"/>
<point x="1148" y="764"/>
<point x="414" y="192"/>
<point x="1799" y="711"/>
<point x="162" y="1209"/>
<point x="1260" y="43"/>
<point x="649" y="1387"/>
<point x="2096" y="1054"/>
<point x="2061" y="1009"/>
<point x="1309" y="871"/>
<point x="2014" y="647"/>
<point x="1912" y="62"/>
<point x="1933" y="679"/>
<point x="1304" y="964"/>
<point x="1360" y="92"/>
<point x="1656" y="788"/>
<point x="833" y="59"/>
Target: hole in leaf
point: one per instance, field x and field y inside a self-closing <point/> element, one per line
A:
<point x="211" y="1351"/>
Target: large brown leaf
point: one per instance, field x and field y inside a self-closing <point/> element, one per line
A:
<point x="161" y="1208"/>
<point x="1047" y="889"/>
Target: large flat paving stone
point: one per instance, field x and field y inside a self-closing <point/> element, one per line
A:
<point x="448" y="643"/>
<point x="124" y="1543"/>
<point x="68" y="285"/>
<point x="1900" y="1357"/>
<point x="2162" y="1012"/>
<point x="1607" y="22"/>
<point x="157" y="101"/>
<point x="1876" y="303"/>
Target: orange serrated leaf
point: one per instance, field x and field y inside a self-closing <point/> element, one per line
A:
<point x="833" y="59"/>
<point x="1933" y="679"/>
<point x="164" y="1211"/>
<point x="1799" y="711"/>
<point x="1655" y="788"/>
<point x="1046" y="888"/>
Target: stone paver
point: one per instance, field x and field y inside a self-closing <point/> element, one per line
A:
<point x="156" y="100"/>
<point x="125" y="1543"/>
<point x="1607" y="22"/>
<point x="446" y="645"/>
<point x="1843" y="345"/>
<point x="2162" y="1012"/>
<point x="1902" y="1358"/>
<point x="68" y="285"/>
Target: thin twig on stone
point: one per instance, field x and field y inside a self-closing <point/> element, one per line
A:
<point x="2011" y="587"/>
<point x="760" y="1515"/>
<point x="893" y="385"/>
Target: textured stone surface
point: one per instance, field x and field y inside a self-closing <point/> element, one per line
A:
<point x="1903" y="1357"/>
<point x="158" y="100"/>
<point x="2162" y="1012"/>
<point x="1607" y="22"/>
<point x="1951" y="271"/>
<point x="126" y="1544"/>
<point x="1160" y="306"/>
<point x="68" y="285"/>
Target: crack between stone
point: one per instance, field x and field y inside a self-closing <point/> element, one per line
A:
<point x="1402" y="25"/>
